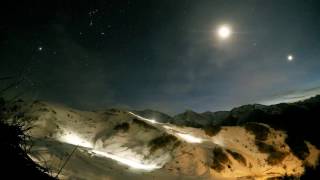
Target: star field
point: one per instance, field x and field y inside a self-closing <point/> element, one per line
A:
<point x="163" y="55"/>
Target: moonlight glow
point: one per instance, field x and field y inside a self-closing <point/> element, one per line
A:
<point x="224" y="32"/>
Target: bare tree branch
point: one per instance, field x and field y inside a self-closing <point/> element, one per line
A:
<point x="65" y="163"/>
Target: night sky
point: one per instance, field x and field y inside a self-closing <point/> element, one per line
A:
<point x="164" y="55"/>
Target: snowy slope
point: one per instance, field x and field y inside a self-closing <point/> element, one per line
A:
<point x="118" y="144"/>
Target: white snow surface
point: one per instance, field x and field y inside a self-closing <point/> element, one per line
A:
<point x="118" y="144"/>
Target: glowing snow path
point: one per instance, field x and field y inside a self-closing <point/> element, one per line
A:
<point x="75" y="139"/>
<point x="174" y="131"/>
<point x="145" y="119"/>
<point x="189" y="138"/>
<point x="132" y="163"/>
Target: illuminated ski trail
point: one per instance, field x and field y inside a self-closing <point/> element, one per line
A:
<point x="135" y="163"/>
<point x="190" y="138"/>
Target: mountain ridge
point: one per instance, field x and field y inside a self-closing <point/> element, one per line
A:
<point x="250" y="141"/>
<point x="254" y="113"/>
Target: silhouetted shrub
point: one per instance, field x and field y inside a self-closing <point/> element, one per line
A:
<point x="16" y="164"/>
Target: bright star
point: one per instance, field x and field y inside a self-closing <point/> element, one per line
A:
<point x="290" y="57"/>
<point x="224" y="31"/>
<point x="40" y="48"/>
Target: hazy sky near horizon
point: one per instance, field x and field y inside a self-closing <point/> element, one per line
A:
<point x="162" y="55"/>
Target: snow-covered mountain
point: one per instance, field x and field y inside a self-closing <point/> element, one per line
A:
<point x="120" y="144"/>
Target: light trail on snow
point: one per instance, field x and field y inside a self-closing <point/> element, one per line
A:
<point x="74" y="139"/>
<point x="145" y="119"/>
<point x="189" y="138"/>
<point x="135" y="164"/>
<point x="171" y="130"/>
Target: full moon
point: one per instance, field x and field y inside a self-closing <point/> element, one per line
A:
<point x="224" y="32"/>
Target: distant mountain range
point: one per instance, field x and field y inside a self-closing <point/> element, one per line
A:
<point x="299" y="117"/>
